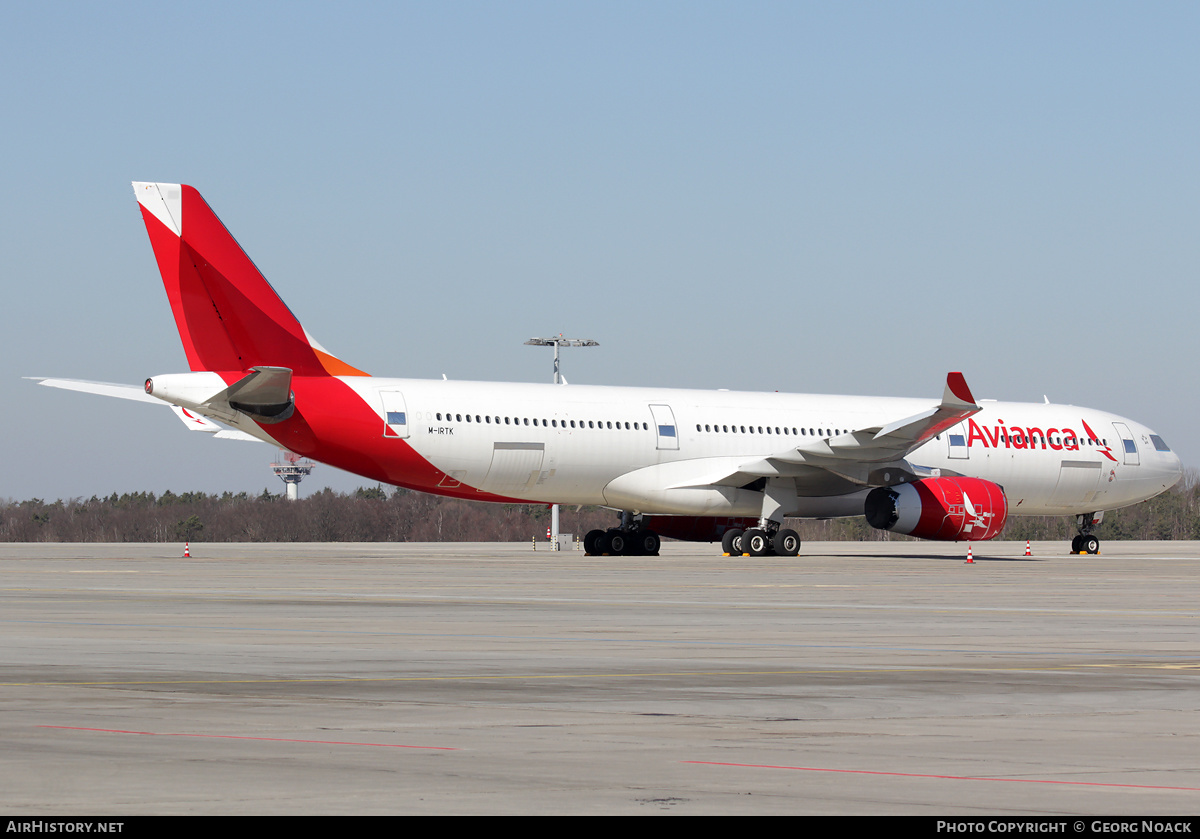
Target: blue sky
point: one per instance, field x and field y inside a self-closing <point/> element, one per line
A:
<point x="810" y="197"/>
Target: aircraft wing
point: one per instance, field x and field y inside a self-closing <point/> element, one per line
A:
<point x="868" y="456"/>
<point x="192" y="419"/>
<point x="895" y="439"/>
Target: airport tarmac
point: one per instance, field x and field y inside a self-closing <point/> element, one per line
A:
<point x="858" y="678"/>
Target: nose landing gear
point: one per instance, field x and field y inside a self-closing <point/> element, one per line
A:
<point x="1085" y="542"/>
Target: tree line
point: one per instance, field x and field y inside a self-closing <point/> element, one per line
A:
<point x="373" y="514"/>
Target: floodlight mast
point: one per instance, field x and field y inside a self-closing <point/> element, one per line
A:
<point x="557" y="342"/>
<point x="560" y="341"/>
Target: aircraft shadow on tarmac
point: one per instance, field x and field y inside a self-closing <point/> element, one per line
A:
<point x="976" y="558"/>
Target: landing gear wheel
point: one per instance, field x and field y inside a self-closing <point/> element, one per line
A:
<point x="592" y="543"/>
<point x="731" y="542"/>
<point x="756" y="542"/>
<point x="1075" y="543"/>
<point x="786" y="543"/>
<point x="616" y="543"/>
<point x="1090" y="544"/>
<point x="645" y="542"/>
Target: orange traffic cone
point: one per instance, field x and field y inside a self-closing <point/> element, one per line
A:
<point x="187" y="551"/>
<point x="969" y="561"/>
<point x="1027" y="551"/>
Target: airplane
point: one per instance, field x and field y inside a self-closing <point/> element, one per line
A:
<point x="688" y="464"/>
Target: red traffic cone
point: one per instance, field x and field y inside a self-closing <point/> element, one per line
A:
<point x="187" y="551"/>
<point x="969" y="561"/>
<point x="1027" y="551"/>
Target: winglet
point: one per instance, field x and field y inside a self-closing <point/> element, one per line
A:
<point x="957" y="393"/>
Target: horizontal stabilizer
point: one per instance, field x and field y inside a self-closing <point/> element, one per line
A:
<point x="195" y="422"/>
<point x="234" y="434"/>
<point x="134" y="392"/>
<point x="191" y="419"/>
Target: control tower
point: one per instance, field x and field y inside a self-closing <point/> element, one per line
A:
<point x="292" y="469"/>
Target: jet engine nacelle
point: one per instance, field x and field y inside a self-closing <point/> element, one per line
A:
<point x="945" y="509"/>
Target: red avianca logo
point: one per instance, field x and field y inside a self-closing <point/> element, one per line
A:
<point x="1015" y="437"/>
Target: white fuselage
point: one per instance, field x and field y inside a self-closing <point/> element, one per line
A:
<point x="678" y="451"/>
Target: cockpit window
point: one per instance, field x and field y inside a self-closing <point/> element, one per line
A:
<point x="1159" y="444"/>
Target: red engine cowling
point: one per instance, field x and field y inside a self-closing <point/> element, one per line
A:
<point x="945" y="509"/>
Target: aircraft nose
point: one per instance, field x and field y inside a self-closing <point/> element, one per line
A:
<point x="1174" y="470"/>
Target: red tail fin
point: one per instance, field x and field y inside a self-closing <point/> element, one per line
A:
<point x="229" y="317"/>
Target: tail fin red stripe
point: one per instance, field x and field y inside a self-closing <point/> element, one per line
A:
<point x="229" y="317"/>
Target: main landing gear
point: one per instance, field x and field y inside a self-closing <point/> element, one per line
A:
<point x="1085" y="542"/>
<point x="630" y="539"/>
<point x="761" y="541"/>
<point x="770" y="538"/>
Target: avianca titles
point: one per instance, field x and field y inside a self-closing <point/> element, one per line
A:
<point x="690" y="464"/>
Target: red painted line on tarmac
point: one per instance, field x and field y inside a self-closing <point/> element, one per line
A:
<point x="243" y="737"/>
<point x="940" y="777"/>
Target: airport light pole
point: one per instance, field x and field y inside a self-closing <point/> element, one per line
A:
<point x="557" y="342"/>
